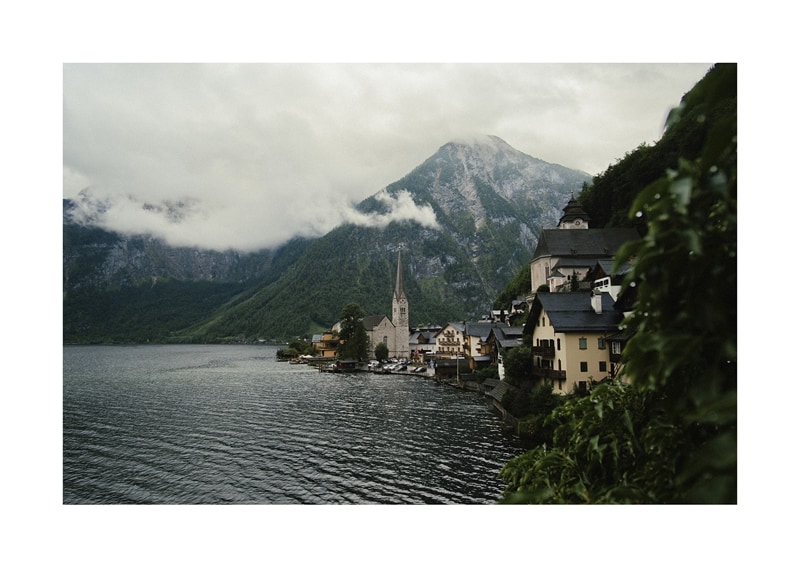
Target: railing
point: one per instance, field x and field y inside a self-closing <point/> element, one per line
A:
<point x="544" y="350"/>
<point x="550" y="373"/>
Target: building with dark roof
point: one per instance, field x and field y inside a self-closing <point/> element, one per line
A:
<point x="569" y="332"/>
<point x="572" y="249"/>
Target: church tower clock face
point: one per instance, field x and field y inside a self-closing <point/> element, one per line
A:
<point x="578" y="222"/>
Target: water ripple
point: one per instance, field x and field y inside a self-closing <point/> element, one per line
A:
<point x="212" y="425"/>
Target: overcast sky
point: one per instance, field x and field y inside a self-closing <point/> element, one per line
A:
<point x="257" y="153"/>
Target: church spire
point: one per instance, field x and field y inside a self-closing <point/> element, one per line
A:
<point x="399" y="292"/>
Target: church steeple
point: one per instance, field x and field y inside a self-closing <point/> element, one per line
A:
<point x="400" y="315"/>
<point x="399" y="292"/>
<point x="574" y="216"/>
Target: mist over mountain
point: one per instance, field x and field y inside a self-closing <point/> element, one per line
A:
<point x="465" y="221"/>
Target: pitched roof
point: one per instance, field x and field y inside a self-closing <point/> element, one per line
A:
<point x="572" y="311"/>
<point x="499" y="390"/>
<point x="588" y="242"/>
<point x="457" y="325"/>
<point x="478" y="328"/>
<point x="372" y="321"/>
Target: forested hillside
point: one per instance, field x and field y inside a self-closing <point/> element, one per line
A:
<point x="610" y="194"/>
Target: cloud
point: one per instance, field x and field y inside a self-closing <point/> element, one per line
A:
<point x="399" y="208"/>
<point x="247" y="156"/>
<point x="191" y="223"/>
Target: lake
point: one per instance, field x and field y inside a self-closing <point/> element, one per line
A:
<point x="211" y="424"/>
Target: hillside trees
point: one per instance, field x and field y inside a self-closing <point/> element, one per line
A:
<point x="670" y="436"/>
<point x="611" y="193"/>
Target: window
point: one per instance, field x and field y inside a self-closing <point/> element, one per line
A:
<point x="584" y="366"/>
<point x="601" y="343"/>
<point x="582" y="343"/>
<point x="602" y="366"/>
<point x="616" y="347"/>
<point x="558" y="344"/>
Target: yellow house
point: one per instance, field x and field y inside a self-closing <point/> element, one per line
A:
<point x="325" y="344"/>
<point x="569" y="332"/>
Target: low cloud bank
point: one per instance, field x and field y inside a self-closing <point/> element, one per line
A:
<point x="257" y="224"/>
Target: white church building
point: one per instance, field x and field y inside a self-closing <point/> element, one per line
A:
<point x="393" y="333"/>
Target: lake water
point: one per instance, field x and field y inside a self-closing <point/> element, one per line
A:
<point x="180" y="424"/>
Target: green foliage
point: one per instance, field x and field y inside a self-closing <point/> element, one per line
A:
<point x="669" y="436"/>
<point x="381" y="352"/>
<point x="288" y="353"/>
<point x="594" y="456"/>
<point x="487" y="372"/>
<point x="609" y="196"/>
<point x="302" y="346"/>
<point x="519" y="287"/>
<point x="518" y="362"/>
<point x="142" y="313"/>
<point x="354" y="342"/>
<point x="534" y="428"/>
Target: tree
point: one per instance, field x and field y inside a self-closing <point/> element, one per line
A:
<point x="381" y="352"/>
<point x="518" y="362"/>
<point x="574" y="284"/>
<point x="352" y="335"/>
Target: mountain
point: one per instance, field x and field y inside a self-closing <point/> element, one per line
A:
<point x="490" y="202"/>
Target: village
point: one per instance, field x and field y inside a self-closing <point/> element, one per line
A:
<point x="574" y="311"/>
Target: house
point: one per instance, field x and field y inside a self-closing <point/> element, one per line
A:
<point x="477" y="350"/>
<point x="450" y="341"/>
<point x="422" y="343"/>
<point x="571" y="250"/>
<point x="570" y="332"/>
<point x="325" y="344"/>
<point x="604" y="278"/>
<point x="503" y="338"/>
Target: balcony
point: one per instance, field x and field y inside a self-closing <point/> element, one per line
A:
<point x="550" y="374"/>
<point x="544" y="350"/>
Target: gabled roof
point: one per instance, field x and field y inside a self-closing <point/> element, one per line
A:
<point x="589" y="242"/>
<point x="372" y="321"/>
<point x="478" y="329"/>
<point x="572" y="311"/>
<point x="506" y="336"/>
<point x="424" y="337"/>
<point x="605" y="267"/>
<point x="457" y="325"/>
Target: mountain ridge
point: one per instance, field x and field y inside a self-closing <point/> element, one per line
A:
<point x="490" y="202"/>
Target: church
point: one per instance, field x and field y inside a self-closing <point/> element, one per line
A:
<point x="395" y="333"/>
<point x="573" y="249"/>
